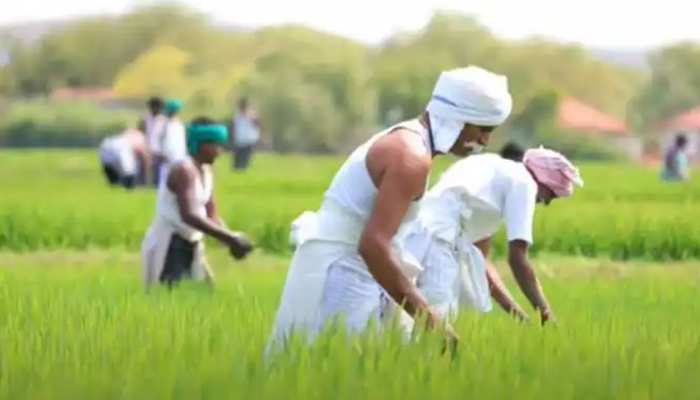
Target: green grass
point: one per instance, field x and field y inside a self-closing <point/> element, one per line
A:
<point x="58" y="199"/>
<point x="75" y="321"/>
<point x="79" y="325"/>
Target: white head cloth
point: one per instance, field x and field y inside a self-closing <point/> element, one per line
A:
<point x="467" y="95"/>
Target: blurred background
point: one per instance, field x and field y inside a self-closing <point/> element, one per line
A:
<point x="613" y="84"/>
<point x="595" y="80"/>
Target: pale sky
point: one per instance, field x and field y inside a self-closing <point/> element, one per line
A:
<point x="596" y="23"/>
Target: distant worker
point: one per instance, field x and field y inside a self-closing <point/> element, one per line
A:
<point x="154" y="127"/>
<point x="246" y="129"/>
<point x="174" y="140"/>
<point x="124" y="157"/>
<point x="676" y="161"/>
<point x="186" y="211"/>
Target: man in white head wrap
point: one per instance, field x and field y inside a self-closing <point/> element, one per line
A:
<point x="461" y="213"/>
<point x="348" y="265"/>
<point x="469" y="96"/>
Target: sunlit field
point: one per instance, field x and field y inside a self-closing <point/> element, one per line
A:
<point x="620" y="263"/>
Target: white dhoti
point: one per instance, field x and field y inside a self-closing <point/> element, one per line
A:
<point x="350" y="296"/>
<point x="328" y="280"/>
<point x="154" y="250"/>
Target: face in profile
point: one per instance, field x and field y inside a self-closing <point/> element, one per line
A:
<point x="471" y="140"/>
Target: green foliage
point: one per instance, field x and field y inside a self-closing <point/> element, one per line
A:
<point x="408" y="65"/>
<point x="622" y="212"/>
<point x="79" y="325"/>
<point x="298" y="115"/>
<point x="674" y="85"/>
<point x="160" y="70"/>
<point x="50" y="124"/>
<point x="573" y="144"/>
<point x="91" y="51"/>
<point x="537" y="125"/>
<point x="349" y="87"/>
<point x="313" y="89"/>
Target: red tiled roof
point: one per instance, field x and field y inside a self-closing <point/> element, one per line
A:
<point x="687" y="120"/>
<point x="83" y="94"/>
<point x="575" y="115"/>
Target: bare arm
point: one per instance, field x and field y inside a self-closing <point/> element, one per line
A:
<point x="213" y="213"/>
<point x="145" y="156"/>
<point x="499" y="291"/>
<point x="525" y="276"/>
<point x="182" y="181"/>
<point x="401" y="182"/>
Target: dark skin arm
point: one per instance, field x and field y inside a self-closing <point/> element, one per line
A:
<point x="213" y="213"/>
<point x="401" y="183"/>
<point x="181" y="181"/>
<point x="145" y="157"/>
<point x="499" y="291"/>
<point x="525" y="276"/>
<point x="399" y="170"/>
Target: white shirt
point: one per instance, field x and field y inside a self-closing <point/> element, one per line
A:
<point x="246" y="131"/>
<point x="175" y="141"/>
<point x="155" y="128"/>
<point x="117" y="152"/>
<point x="475" y="195"/>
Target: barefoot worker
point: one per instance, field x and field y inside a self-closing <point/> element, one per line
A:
<point x="349" y="266"/>
<point x="173" y="248"/>
<point x="464" y="210"/>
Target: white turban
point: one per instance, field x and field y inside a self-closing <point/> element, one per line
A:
<point x="467" y="95"/>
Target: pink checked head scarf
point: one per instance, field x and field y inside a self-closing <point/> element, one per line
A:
<point x="553" y="170"/>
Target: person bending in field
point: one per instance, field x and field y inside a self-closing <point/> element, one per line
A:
<point x="173" y="248"/>
<point x="348" y="266"/>
<point x="124" y="158"/>
<point x="460" y="214"/>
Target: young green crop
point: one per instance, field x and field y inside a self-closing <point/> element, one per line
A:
<point x="79" y="325"/>
<point x="58" y="199"/>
